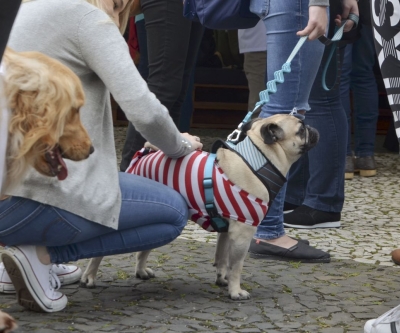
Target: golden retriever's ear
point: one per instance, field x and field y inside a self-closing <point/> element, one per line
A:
<point x="271" y="133"/>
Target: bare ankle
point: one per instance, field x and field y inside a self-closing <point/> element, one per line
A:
<point x="43" y="255"/>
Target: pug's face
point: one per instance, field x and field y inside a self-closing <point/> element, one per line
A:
<point x="283" y="132"/>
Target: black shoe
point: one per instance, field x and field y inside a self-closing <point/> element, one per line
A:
<point x="301" y="252"/>
<point x="306" y="217"/>
<point x="305" y="241"/>
<point x="288" y="207"/>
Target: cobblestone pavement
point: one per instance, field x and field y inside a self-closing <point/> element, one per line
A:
<point x="360" y="283"/>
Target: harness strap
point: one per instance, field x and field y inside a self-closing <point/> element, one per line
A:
<point x="265" y="171"/>
<point x="218" y="223"/>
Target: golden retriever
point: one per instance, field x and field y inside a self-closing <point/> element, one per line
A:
<point x="44" y="97"/>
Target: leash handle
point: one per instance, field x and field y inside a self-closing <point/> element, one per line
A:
<point x="333" y="44"/>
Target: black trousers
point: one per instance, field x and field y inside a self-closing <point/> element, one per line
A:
<point x="172" y="45"/>
<point x="8" y="12"/>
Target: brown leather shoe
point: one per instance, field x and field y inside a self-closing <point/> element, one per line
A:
<point x="365" y="165"/>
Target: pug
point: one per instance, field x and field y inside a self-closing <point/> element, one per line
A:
<point x="246" y="177"/>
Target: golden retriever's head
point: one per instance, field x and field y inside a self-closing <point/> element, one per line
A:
<point x="44" y="97"/>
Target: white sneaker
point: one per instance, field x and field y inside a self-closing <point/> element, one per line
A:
<point x="35" y="283"/>
<point x="67" y="274"/>
<point x="389" y="322"/>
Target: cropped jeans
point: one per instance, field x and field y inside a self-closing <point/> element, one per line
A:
<point x="358" y="75"/>
<point x="152" y="215"/>
<point x="282" y="20"/>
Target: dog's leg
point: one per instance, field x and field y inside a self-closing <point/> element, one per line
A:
<point x="240" y="236"/>
<point x="143" y="272"/>
<point x="221" y="259"/>
<point x="88" y="279"/>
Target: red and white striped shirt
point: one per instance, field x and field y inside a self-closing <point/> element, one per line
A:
<point x="186" y="175"/>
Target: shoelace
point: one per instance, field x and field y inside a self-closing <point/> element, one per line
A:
<point x="54" y="280"/>
<point x="62" y="266"/>
<point x="391" y="316"/>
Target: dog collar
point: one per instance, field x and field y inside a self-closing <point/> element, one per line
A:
<point x="261" y="166"/>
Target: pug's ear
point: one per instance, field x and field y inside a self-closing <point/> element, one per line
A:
<point x="271" y="133"/>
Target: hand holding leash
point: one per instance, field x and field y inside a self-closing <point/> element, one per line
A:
<point x="317" y="23"/>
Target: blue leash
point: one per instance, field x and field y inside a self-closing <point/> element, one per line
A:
<point x="219" y="223"/>
<point x="333" y="43"/>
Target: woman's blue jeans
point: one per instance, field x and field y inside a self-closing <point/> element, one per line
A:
<point x="282" y="20"/>
<point x="317" y="179"/>
<point x="358" y="75"/>
<point x="152" y="215"/>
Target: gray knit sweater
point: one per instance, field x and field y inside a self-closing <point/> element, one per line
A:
<point x="86" y="40"/>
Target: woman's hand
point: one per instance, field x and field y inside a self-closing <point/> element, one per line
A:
<point x="317" y="22"/>
<point x="194" y="141"/>
<point x="349" y="6"/>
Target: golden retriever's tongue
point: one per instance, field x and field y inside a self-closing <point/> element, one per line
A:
<point x="63" y="173"/>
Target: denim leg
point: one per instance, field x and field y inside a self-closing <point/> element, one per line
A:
<point x="152" y="215"/>
<point x="172" y="45"/>
<point x="345" y="81"/>
<point x="282" y="20"/>
<point x="365" y="93"/>
<point x="324" y="188"/>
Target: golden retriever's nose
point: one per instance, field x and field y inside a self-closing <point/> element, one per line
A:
<point x="91" y="150"/>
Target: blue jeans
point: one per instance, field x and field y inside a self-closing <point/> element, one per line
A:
<point x="317" y="179"/>
<point x="358" y="75"/>
<point x="152" y="215"/>
<point x="282" y="20"/>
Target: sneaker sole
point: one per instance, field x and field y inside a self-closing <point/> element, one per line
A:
<point x="66" y="279"/>
<point x="26" y="295"/>
<point x="314" y="226"/>
<point x="272" y="257"/>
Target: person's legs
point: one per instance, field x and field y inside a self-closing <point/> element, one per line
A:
<point x="172" y="45"/>
<point x="323" y="191"/>
<point x="152" y="215"/>
<point x="254" y="67"/>
<point x="365" y="93"/>
<point x="366" y="109"/>
<point x="282" y="20"/>
<point x="345" y="80"/>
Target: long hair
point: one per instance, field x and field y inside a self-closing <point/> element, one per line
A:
<point x="123" y="16"/>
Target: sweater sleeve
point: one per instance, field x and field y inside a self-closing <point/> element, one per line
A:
<point x="319" y="3"/>
<point x="105" y="51"/>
